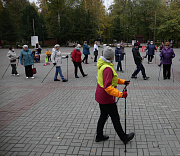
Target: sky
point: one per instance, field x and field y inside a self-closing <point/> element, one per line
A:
<point x="107" y="3"/>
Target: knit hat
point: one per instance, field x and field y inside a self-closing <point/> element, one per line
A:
<point x="78" y="46"/>
<point x="135" y="44"/>
<point x="108" y="53"/>
<point x="57" y="45"/>
<point x="25" y="46"/>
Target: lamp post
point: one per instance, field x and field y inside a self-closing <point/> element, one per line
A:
<point x="43" y="35"/>
<point x="127" y="34"/>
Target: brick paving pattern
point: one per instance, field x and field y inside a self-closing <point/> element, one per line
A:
<point x="60" y="119"/>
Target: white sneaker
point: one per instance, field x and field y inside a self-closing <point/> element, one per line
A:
<point x="27" y="77"/>
<point x="32" y="77"/>
<point x="17" y="74"/>
<point x="13" y="74"/>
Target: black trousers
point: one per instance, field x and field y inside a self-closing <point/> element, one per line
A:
<point x="119" y="65"/>
<point x="28" y="71"/>
<point x="150" y="58"/>
<point x="85" y="58"/>
<point x="76" y="65"/>
<point x="49" y="58"/>
<point x="166" y="71"/>
<point x="14" y="71"/>
<point x="141" y="68"/>
<point x="95" y="58"/>
<point x="112" y="111"/>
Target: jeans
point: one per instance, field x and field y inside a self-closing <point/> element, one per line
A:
<point x="76" y="65"/>
<point x="119" y="65"/>
<point x="112" y="111"/>
<point x="85" y="58"/>
<point x="139" y="67"/>
<point x="58" y="70"/>
<point x="14" y="71"/>
<point x="28" y="71"/>
<point x="166" y="71"/>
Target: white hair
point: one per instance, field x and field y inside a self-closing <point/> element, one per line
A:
<point x="25" y="46"/>
<point x="57" y="45"/>
<point x="78" y="46"/>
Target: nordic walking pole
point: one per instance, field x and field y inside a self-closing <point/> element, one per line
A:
<point x="67" y="68"/>
<point x="47" y="74"/>
<point x="173" y="72"/>
<point x="6" y="70"/>
<point x="125" y="89"/>
<point x="125" y="61"/>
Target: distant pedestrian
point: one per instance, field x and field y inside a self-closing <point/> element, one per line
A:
<point x="119" y="56"/>
<point x="104" y="46"/>
<point x="48" y="54"/>
<point x="17" y="45"/>
<point x="171" y="44"/>
<point x="122" y="46"/>
<point x="38" y="49"/>
<point x="151" y="48"/>
<point x="26" y="59"/>
<point x="85" y="52"/>
<point x="56" y="58"/>
<point x="138" y="61"/>
<point x="148" y="43"/>
<point x="138" y="43"/>
<point x="161" y="46"/>
<point x="95" y="51"/>
<point x="12" y="57"/>
<point x="167" y="54"/>
<point x="106" y="94"/>
<point x="76" y="58"/>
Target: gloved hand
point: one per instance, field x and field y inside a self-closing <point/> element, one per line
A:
<point x="67" y="56"/>
<point x="127" y="83"/>
<point x="54" y="64"/>
<point x="125" y="94"/>
<point x="172" y="57"/>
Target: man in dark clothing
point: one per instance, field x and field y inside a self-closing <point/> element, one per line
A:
<point x="138" y="61"/>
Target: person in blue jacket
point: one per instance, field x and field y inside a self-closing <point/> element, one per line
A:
<point x="119" y="56"/>
<point x="26" y="59"/>
<point x="150" y="53"/>
<point x="85" y="52"/>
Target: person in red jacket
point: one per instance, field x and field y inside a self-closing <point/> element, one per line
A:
<point x="76" y="58"/>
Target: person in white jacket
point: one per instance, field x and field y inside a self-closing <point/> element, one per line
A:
<point x="95" y="51"/>
<point x="56" y="58"/>
<point x="12" y="57"/>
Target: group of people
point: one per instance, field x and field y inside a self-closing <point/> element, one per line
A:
<point x="107" y="77"/>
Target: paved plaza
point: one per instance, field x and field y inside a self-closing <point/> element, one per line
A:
<point x="60" y="119"/>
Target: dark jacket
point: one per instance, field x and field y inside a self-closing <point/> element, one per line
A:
<point x="119" y="55"/>
<point x="137" y="56"/>
<point x="167" y="55"/>
<point x="151" y="49"/>
<point x="86" y="49"/>
<point x="76" y="55"/>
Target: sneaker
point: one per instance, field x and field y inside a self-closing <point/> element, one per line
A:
<point x="85" y="75"/>
<point x="146" y="78"/>
<point x="76" y="76"/>
<point x="121" y="71"/>
<point x="129" y="137"/>
<point x="134" y="77"/>
<point x="105" y="137"/>
<point x="32" y="77"/>
<point x="65" y="80"/>
<point x="17" y="74"/>
<point x="56" y="80"/>
<point x="27" y="77"/>
<point x="13" y="74"/>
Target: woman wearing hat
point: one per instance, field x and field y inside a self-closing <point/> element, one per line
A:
<point x="105" y="95"/>
<point x="76" y="58"/>
<point x="26" y="59"/>
<point x="56" y="58"/>
<point x="166" y="55"/>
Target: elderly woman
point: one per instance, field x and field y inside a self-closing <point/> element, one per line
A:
<point x="85" y="52"/>
<point x="12" y="57"/>
<point x="76" y="58"/>
<point x="166" y="55"/>
<point x="119" y="57"/>
<point x="26" y="59"/>
<point x="56" y="58"/>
